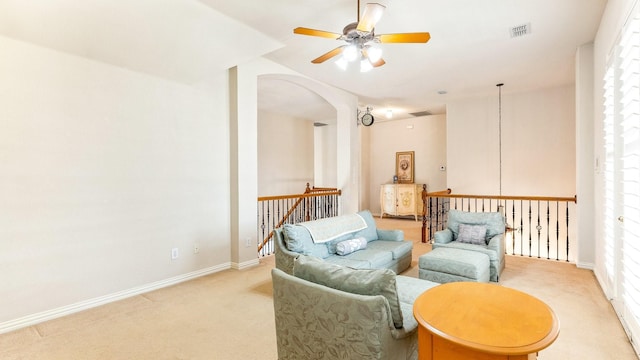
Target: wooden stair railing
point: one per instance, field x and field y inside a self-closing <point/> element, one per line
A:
<point x="275" y="211"/>
<point x="537" y="226"/>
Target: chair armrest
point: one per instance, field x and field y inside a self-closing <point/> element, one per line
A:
<point x="284" y="257"/>
<point x="496" y="243"/>
<point x="390" y="235"/>
<point x="443" y="236"/>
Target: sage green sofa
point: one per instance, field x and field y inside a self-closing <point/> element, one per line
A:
<point x="326" y="311"/>
<point x="385" y="249"/>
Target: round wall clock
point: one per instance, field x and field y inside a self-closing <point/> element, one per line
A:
<point x="367" y="119"/>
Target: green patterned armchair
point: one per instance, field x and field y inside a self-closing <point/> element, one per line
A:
<point x="318" y="321"/>
<point x="491" y="241"/>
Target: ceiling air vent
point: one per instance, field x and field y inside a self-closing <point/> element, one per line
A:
<point x="521" y="30"/>
<point x="421" y="113"/>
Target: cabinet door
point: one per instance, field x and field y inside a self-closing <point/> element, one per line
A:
<point x="406" y="195"/>
<point x="388" y="199"/>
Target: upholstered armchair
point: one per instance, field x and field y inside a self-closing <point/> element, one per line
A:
<point x="480" y="231"/>
<point x="331" y="312"/>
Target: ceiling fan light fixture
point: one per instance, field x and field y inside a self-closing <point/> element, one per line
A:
<point x="350" y="53"/>
<point x="374" y="54"/>
<point x="342" y="63"/>
<point x="365" y="65"/>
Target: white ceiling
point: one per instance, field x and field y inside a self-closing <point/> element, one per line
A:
<point x="179" y="40"/>
<point x="470" y="50"/>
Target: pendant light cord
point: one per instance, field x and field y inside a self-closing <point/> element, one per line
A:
<point x="500" y="133"/>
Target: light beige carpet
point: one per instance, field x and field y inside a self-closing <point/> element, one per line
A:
<point x="229" y="315"/>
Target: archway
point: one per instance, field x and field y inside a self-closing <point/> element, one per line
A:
<point x="243" y="117"/>
<point x="296" y="138"/>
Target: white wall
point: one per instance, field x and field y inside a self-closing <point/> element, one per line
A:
<point x="427" y="138"/>
<point x="325" y="156"/>
<point x="102" y="171"/>
<point x="584" y="157"/>
<point x="285" y="154"/>
<point x="538" y="144"/>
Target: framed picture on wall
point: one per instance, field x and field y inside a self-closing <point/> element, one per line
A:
<point x="404" y="167"/>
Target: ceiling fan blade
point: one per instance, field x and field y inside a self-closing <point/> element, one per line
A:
<point x="419" y="37"/>
<point x="378" y="63"/>
<point x="370" y="17"/>
<point x="328" y="55"/>
<point x="313" y="32"/>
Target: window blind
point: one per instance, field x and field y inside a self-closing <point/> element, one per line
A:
<point x="608" y="172"/>
<point x="629" y="70"/>
<point x="621" y="175"/>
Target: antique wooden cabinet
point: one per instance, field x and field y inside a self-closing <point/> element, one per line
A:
<point x="401" y="200"/>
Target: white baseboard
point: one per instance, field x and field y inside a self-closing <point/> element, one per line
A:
<point x="246" y="264"/>
<point x="588" y="266"/>
<point x="37" y="318"/>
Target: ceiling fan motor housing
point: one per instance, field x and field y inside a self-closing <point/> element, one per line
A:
<point x="352" y="35"/>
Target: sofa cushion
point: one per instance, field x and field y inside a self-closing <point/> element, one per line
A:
<point x="493" y="256"/>
<point x="346" y="261"/>
<point x="467" y="264"/>
<point x="346" y="247"/>
<point x="398" y="249"/>
<point x="409" y="288"/>
<point x="298" y="239"/>
<point x="377" y="259"/>
<point x="472" y="234"/>
<point x="356" y="281"/>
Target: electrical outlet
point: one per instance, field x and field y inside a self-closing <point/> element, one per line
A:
<point x="174" y="253"/>
<point x="248" y="241"/>
<point x="196" y="248"/>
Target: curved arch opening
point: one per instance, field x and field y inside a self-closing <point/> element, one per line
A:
<point x="297" y="131"/>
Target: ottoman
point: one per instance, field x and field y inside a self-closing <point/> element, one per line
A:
<point x="443" y="265"/>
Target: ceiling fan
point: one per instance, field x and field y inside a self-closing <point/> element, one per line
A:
<point x="359" y="37"/>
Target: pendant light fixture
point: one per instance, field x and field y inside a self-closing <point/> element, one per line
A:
<point x="500" y="135"/>
<point x="501" y="207"/>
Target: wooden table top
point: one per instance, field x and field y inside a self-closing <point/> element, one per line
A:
<point x="487" y="317"/>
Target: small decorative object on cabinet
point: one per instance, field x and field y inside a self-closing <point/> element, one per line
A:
<point x="401" y="200"/>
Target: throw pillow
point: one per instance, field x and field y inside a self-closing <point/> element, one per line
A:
<point x="348" y="246"/>
<point x="472" y="234"/>
<point x="356" y="281"/>
<point x="494" y="221"/>
<point x="298" y="239"/>
<point x="331" y="245"/>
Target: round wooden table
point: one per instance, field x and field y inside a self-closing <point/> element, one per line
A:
<point x="468" y="320"/>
